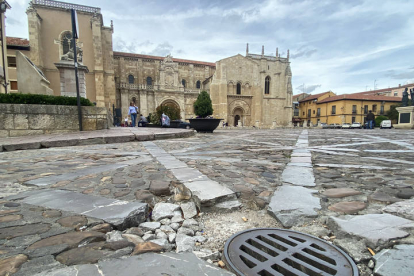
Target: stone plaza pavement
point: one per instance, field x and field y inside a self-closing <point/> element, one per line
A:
<point x="97" y="207"/>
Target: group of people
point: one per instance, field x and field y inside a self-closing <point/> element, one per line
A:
<point x="133" y="113"/>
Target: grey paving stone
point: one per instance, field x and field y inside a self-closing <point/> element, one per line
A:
<point x="397" y="261"/>
<point x="376" y="229"/>
<point x="189" y="209"/>
<point x="403" y="209"/>
<point x="299" y="176"/>
<point x="208" y="191"/>
<point x="164" y="210"/>
<point x="292" y="205"/>
<point x="122" y="214"/>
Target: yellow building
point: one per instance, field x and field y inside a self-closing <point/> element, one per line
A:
<point x="347" y="108"/>
<point x="309" y="111"/>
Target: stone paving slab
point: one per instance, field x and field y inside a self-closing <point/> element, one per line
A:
<point x="397" y="261"/>
<point x="293" y="205"/>
<point x="121" y="214"/>
<point x="105" y="136"/>
<point x="183" y="264"/>
<point x="375" y="228"/>
<point x="300" y="176"/>
<point x="403" y="209"/>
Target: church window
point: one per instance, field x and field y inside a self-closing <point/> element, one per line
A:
<point x="183" y="82"/>
<point x="131" y="79"/>
<point x="267" y="85"/>
<point x="198" y="84"/>
<point x="67" y="42"/>
<point x="238" y="91"/>
<point x="149" y="81"/>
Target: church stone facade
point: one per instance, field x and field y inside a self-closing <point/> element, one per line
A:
<point x="251" y="90"/>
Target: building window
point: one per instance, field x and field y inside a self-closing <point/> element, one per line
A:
<point x="67" y="42"/>
<point x="11" y="61"/>
<point x="303" y="113"/>
<point x="382" y="110"/>
<point x="198" y="84"/>
<point x="131" y="79"/>
<point x="374" y="108"/>
<point x="149" y="81"/>
<point x="134" y="100"/>
<point x="309" y="113"/>
<point x="395" y="94"/>
<point x="314" y="112"/>
<point x="13" y="85"/>
<point x="183" y="82"/>
<point x="353" y="119"/>
<point x="333" y="110"/>
<point x="267" y="85"/>
<point x="365" y="109"/>
<point x="238" y="90"/>
<point x="354" y="111"/>
<point x="318" y="113"/>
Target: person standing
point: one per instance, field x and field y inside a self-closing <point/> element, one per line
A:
<point x="133" y="112"/>
<point x="370" y="120"/>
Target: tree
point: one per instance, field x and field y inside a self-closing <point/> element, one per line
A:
<point x="392" y="114"/>
<point x="170" y="110"/>
<point x="379" y="119"/>
<point x="203" y="106"/>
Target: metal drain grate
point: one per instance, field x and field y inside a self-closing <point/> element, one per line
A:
<point x="272" y="251"/>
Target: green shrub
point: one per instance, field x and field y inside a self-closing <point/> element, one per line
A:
<point x="203" y="106"/>
<point x="392" y="114"/>
<point x="18" y="98"/>
<point x="379" y="119"/>
<point x="170" y="110"/>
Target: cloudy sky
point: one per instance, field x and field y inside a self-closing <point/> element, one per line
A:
<point x="341" y="45"/>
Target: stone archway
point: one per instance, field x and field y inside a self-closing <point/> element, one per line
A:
<point x="238" y="115"/>
<point x="171" y="103"/>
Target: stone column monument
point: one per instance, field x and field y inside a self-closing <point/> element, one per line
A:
<point x="406" y="112"/>
<point x="67" y="74"/>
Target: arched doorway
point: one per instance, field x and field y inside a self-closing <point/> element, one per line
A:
<point x="236" y="120"/>
<point x="238" y="116"/>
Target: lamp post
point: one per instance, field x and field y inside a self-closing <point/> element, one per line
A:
<point x="75" y="35"/>
<point x="3" y="7"/>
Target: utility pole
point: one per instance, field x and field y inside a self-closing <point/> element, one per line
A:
<point x="375" y="81"/>
<point x="75" y="35"/>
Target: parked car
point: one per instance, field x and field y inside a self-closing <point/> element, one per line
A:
<point x="346" y="125"/>
<point x="180" y="124"/>
<point x="334" y="126"/>
<point x="323" y="125"/>
<point x="386" y="124"/>
<point x="356" y="125"/>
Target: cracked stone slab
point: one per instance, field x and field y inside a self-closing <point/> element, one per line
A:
<point x="208" y="191"/>
<point x="403" y="209"/>
<point x="293" y="205"/>
<point x="121" y="214"/>
<point x="143" y="265"/>
<point x="300" y="176"/>
<point x="396" y="261"/>
<point x="375" y="228"/>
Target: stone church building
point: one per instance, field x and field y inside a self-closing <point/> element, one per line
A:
<point x="251" y="90"/>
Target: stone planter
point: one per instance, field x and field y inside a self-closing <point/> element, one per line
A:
<point x="204" y="125"/>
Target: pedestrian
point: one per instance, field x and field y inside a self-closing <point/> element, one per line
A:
<point x="370" y="120"/>
<point x="142" y="121"/>
<point x="133" y="112"/>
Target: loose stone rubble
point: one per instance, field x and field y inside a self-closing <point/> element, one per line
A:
<point x="63" y="210"/>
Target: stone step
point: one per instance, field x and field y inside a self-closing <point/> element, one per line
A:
<point x="121" y="214"/>
<point x="143" y="265"/>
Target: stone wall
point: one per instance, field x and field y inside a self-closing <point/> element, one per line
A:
<point x="24" y="120"/>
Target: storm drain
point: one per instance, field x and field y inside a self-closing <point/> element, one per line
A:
<point x="272" y="251"/>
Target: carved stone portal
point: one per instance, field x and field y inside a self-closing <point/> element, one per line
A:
<point x="68" y="81"/>
<point x="169" y="74"/>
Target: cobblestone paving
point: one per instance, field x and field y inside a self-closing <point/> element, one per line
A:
<point x="362" y="200"/>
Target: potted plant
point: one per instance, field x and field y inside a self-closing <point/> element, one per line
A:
<point x="203" y="108"/>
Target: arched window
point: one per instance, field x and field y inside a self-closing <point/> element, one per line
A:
<point x="131" y="79"/>
<point x="267" y="85"/>
<point x="67" y="42"/>
<point x="134" y="100"/>
<point x="198" y="84"/>
<point x="183" y="82"/>
<point x="149" y="81"/>
<point x="238" y="90"/>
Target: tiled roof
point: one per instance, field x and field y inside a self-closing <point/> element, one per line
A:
<point x="313" y="97"/>
<point x="16" y="41"/>
<point x="360" y="97"/>
<point x="162" y="58"/>
<point x="298" y="95"/>
<point x="374" y="92"/>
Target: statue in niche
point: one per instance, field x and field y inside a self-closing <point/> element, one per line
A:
<point x="405" y="97"/>
<point x="412" y="96"/>
<point x="168" y="58"/>
<point x="70" y="56"/>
